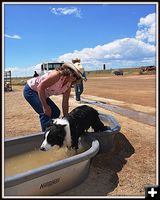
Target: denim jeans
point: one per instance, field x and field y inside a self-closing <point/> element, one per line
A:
<point x="78" y="91"/>
<point x="33" y="99"/>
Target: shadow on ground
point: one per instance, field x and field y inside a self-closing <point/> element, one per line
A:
<point x="103" y="178"/>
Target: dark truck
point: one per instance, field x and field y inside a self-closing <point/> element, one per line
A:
<point x="117" y="72"/>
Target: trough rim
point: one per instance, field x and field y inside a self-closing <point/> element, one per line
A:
<point x="50" y="168"/>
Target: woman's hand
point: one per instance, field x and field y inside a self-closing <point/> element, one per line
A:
<point x="47" y="110"/>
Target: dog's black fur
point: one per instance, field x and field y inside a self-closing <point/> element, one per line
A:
<point x="80" y="120"/>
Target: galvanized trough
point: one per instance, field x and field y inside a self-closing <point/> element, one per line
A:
<point x="106" y="138"/>
<point x="50" y="179"/>
<point x="59" y="176"/>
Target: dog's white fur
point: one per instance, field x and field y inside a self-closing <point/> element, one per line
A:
<point x="45" y="143"/>
<point x="67" y="140"/>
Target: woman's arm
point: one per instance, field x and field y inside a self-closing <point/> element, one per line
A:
<point x="65" y="102"/>
<point x="50" y="80"/>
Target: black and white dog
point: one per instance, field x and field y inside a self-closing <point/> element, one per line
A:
<point x="67" y="131"/>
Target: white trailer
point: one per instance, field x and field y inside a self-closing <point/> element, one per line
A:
<point x="46" y="66"/>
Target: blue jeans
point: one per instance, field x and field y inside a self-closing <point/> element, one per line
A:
<point x="78" y="91"/>
<point x="33" y="99"/>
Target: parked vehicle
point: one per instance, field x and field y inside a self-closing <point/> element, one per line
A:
<point x="46" y="66"/>
<point x="117" y="72"/>
<point x="148" y="68"/>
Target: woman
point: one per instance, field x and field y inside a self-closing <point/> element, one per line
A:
<point x="55" y="82"/>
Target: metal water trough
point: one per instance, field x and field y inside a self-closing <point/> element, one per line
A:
<point x="106" y="138"/>
<point x="49" y="179"/>
<point x="59" y="176"/>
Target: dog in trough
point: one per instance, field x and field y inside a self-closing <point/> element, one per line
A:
<point x="67" y="131"/>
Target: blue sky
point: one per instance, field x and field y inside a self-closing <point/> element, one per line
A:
<point x="118" y="35"/>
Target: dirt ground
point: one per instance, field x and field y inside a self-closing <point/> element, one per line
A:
<point x="131" y="165"/>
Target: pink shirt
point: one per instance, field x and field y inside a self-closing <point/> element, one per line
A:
<point x="56" y="89"/>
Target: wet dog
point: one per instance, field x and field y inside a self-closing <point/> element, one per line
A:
<point x="67" y="131"/>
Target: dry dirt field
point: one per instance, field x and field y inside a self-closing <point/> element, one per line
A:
<point x="131" y="165"/>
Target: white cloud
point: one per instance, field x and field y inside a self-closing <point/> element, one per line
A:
<point x="123" y="52"/>
<point x="13" y="36"/>
<point x="119" y="53"/>
<point x="67" y="11"/>
<point x="146" y="28"/>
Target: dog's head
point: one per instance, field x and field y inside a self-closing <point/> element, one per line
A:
<point x="54" y="135"/>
